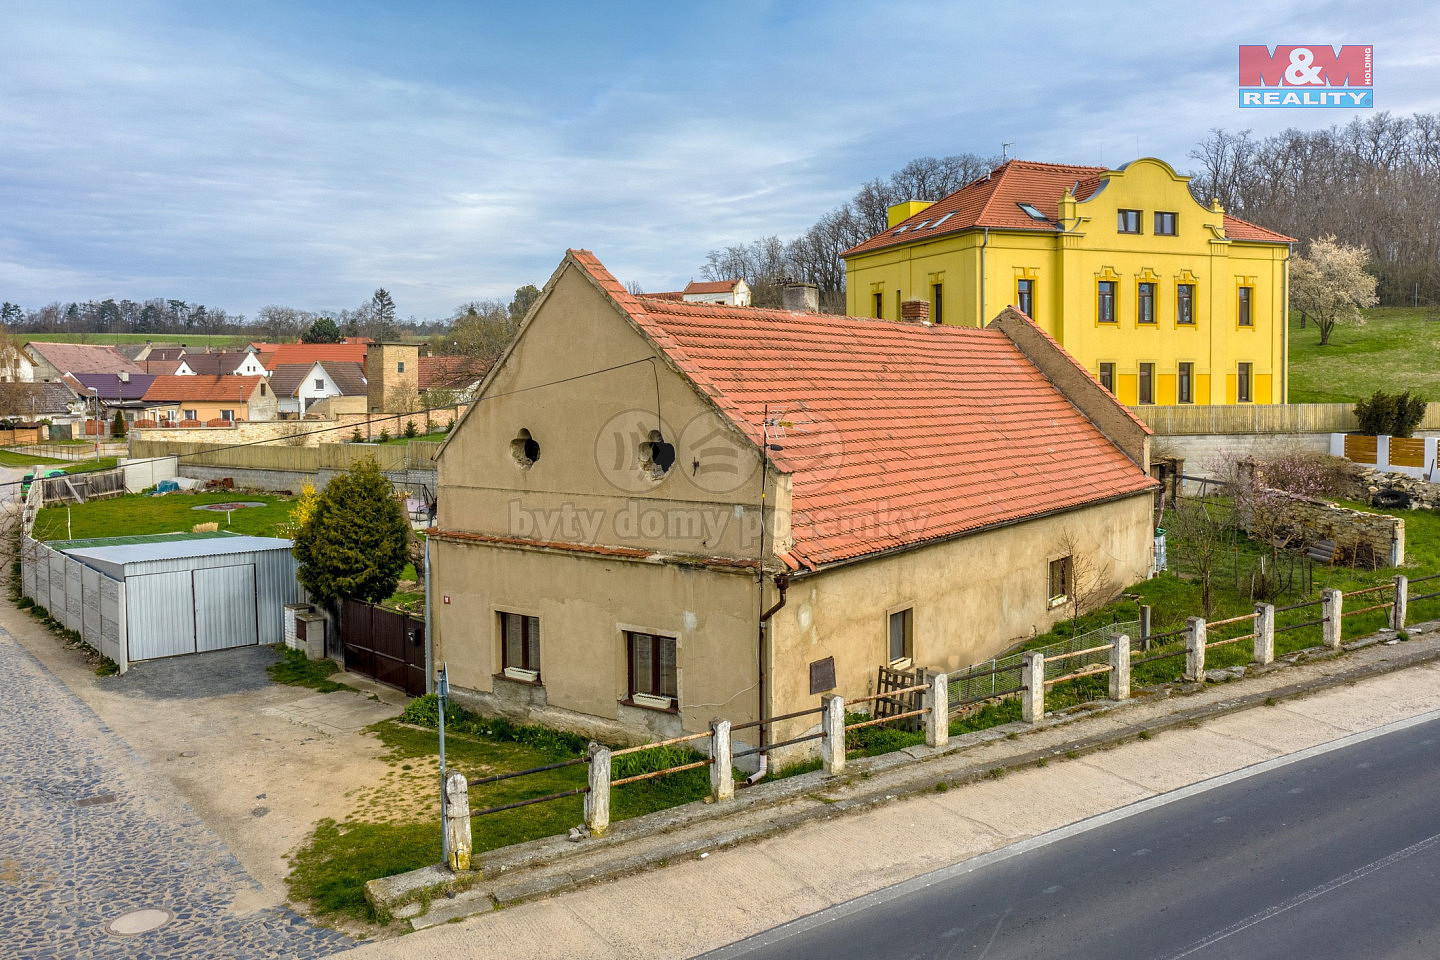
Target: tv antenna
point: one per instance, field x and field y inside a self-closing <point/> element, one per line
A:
<point x="1005" y="150"/>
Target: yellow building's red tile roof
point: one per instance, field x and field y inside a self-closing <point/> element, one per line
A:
<point x="994" y="201"/>
<point x="903" y="433"/>
<point x="202" y="388"/>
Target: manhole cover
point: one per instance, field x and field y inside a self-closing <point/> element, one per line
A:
<point x="222" y="507"/>
<point x="137" y="922"/>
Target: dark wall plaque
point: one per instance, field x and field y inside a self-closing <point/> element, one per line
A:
<point x="822" y="675"/>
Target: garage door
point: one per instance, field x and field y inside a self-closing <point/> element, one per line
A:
<point x="159" y="615"/>
<point x="190" y="611"/>
<point x="225" y="607"/>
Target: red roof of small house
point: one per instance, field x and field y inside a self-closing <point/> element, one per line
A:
<point x="902" y="433"/>
<point x="83" y="357"/>
<point x="312" y="352"/>
<point x="666" y="295"/>
<point x="994" y="201"/>
<point x="711" y="286"/>
<point x="202" y="388"/>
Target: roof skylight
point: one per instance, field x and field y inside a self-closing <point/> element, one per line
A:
<point x="942" y="220"/>
<point x="1033" y="212"/>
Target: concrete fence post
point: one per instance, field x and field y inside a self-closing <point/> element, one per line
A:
<point x="722" y="770"/>
<point x="1195" y="648"/>
<point x="1144" y="626"/>
<point x="1032" y="680"/>
<point x="936" y="699"/>
<point x="597" y="801"/>
<point x="1331" y="601"/>
<point x="832" y="726"/>
<point x="1120" y="667"/>
<point x="457" y="822"/>
<point x="1264" y="633"/>
<point x="1402" y="596"/>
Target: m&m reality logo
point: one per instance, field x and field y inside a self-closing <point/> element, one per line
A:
<point x="1307" y="76"/>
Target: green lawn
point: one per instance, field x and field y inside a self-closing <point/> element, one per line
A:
<point x="189" y="339"/>
<point x="1394" y="350"/>
<point x="9" y="458"/>
<point x="397" y="825"/>
<point x="138" y="514"/>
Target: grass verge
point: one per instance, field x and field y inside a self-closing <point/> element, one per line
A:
<point x="297" y="670"/>
<point x="138" y="514"/>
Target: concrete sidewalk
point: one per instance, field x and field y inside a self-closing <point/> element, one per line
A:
<point x="691" y="889"/>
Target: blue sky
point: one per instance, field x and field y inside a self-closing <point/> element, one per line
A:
<point x="305" y="153"/>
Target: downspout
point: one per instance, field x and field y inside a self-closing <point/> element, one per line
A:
<point x="782" y="583"/>
<point x="429" y="625"/>
<point x="984" y="242"/>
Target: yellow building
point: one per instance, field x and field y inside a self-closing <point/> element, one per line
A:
<point x="1162" y="299"/>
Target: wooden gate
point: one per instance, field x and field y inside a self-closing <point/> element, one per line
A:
<point x="384" y="644"/>
<point x="889" y="706"/>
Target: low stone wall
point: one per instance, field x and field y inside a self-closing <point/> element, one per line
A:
<point x="1361" y="538"/>
<point x="1394" y="490"/>
<point x="272" y="431"/>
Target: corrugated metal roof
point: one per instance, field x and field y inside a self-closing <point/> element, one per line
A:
<point x="123" y="553"/>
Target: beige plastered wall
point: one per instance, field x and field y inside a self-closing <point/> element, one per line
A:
<point x="580" y="383"/>
<point x="585" y="605"/>
<point x="972" y="597"/>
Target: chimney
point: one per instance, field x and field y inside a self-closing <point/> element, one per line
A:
<point x="802" y="297"/>
<point x="915" y="311"/>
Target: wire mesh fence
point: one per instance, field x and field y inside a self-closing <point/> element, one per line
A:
<point x="1001" y="676"/>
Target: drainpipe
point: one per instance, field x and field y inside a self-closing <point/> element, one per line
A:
<point x="782" y="583"/>
<point x="429" y="625"/>
<point x="984" y="242"/>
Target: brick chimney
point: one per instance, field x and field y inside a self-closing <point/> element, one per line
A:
<point x="802" y="297"/>
<point x="915" y="311"/>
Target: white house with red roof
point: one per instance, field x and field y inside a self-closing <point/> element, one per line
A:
<point x="659" y="512"/>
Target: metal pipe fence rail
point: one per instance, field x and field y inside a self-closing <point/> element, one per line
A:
<point x="1088" y="672"/>
<point x="756" y="751"/>
<point x="1305" y="623"/>
<point x="530" y="802"/>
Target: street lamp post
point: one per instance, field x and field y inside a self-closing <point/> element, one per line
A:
<point x="96" y="394"/>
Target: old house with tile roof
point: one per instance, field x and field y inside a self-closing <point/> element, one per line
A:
<point x="299" y="385"/>
<point x="51" y="361"/>
<point x="1163" y="299"/>
<point x="658" y="512"/>
<point x="204" y="398"/>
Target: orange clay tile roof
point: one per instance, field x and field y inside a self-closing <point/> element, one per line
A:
<point x="202" y="388"/>
<point x="994" y="201"/>
<point x="711" y="286"/>
<point x="902" y="433"/>
<point x="311" y="352"/>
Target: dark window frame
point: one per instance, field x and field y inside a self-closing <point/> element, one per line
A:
<point x="1025" y="296"/>
<point x="1107" y="372"/>
<point x="1145" y="384"/>
<point x="937" y="305"/>
<point x="1145" y="303"/>
<point x="1245" y="383"/>
<point x="1185" y="304"/>
<point x="1105" y="301"/>
<point x="879" y="305"/>
<point x="1185" y="382"/>
<point x="655" y="682"/>
<point x="1167" y="223"/>
<point x="528" y="642"/>
<point x="1245" y="306"/>
<point x="1059" y="582"/>
<point x="906" y="623"/>
<point x="1127" y="221"/>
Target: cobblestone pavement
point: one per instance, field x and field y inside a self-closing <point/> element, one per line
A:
<point x="89" y="837"/>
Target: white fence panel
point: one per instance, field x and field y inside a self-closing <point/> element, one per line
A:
<point x="74" y="618"/>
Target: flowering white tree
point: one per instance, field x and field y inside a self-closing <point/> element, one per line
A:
<point x="1331" y="284"/>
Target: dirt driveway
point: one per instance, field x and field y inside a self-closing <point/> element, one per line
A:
<point x="261" y="763"/>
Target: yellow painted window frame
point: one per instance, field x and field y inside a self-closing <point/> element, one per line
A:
<point x="1109" y="276"/>
<point x="1187" y="279"/>
<point x="1100" y="366"/>
<point x="1154" y="282"/>
<point x="1246" y="283"/>
<point x="1180" y="366"/>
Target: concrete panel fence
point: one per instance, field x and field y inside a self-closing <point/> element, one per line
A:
<point x="79" y="598"/>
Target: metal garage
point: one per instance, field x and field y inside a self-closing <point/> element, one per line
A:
<point x="195" y="594"/>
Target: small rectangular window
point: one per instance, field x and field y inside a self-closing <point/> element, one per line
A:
<point x="1145" y="303"/>
<point x="1147" y="383"/>
<point x="1242" y="385"/>
<point x="1164" y="224"/>
<point x="189" y="415"/>
<point x="937" y="303"/>
<point x="1025" y="297"/>
<point x="1185" y="303"/>
<point x="1128" y="221"/>
<point x="902" y="635"/>
<point x="1107" y="376"/>
<point x="1059" y="590"/>
<point x="227" y="415"/>
<point x="400" y="366"/>
<point x="319" y="384"/>
<point x="520" y="642"/>
<point x="1185" y="383"/>
<point x="1245" y="315"/>
<point x="1105" y="301"/>
<point x="652" y="664"/>
<point x="879" y="306"/>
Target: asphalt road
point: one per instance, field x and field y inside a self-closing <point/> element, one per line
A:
<point x="1330" y="853"/>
